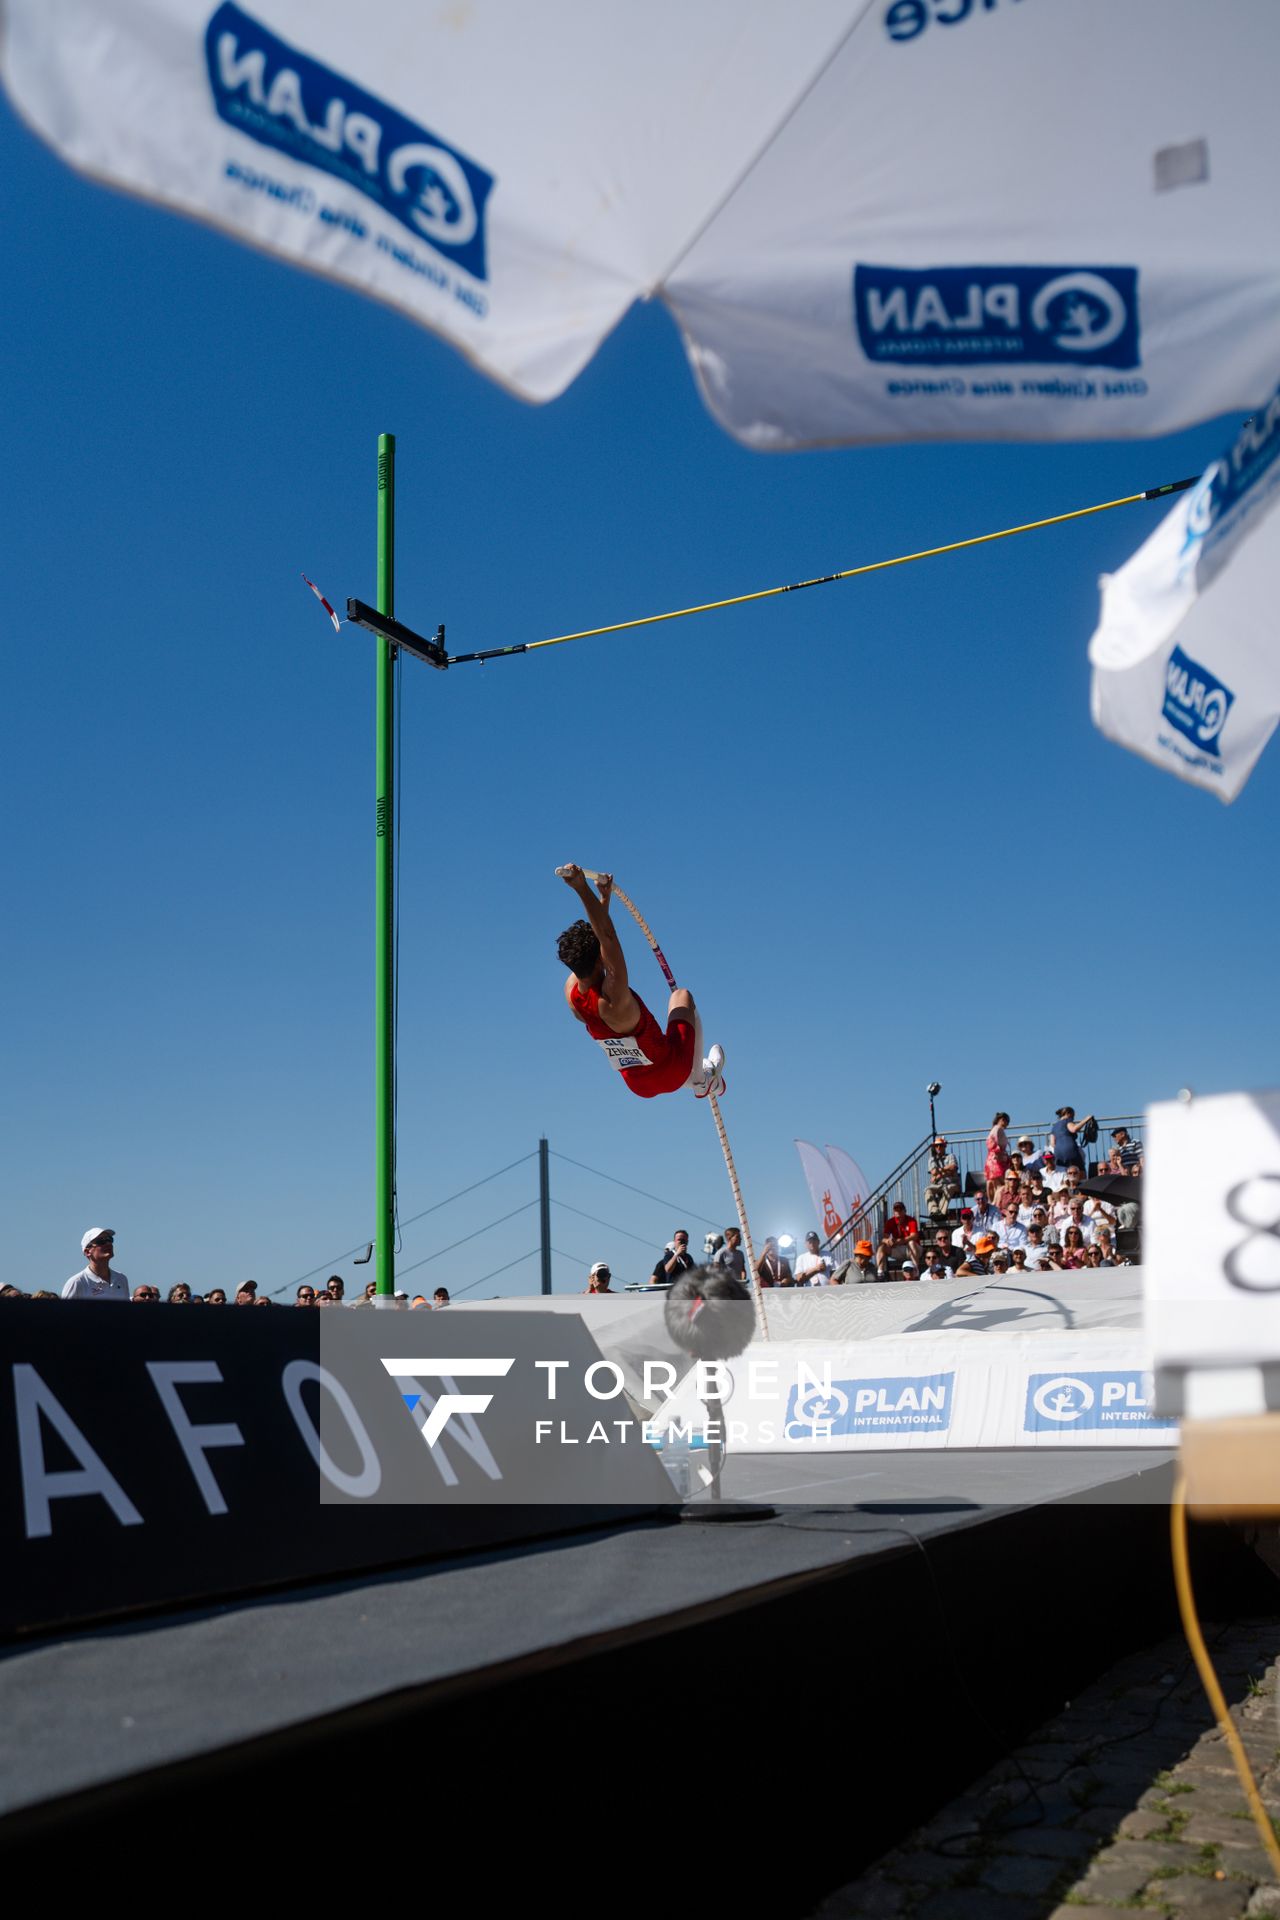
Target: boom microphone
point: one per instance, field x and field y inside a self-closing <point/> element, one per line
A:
<point x="709" y="1314"/>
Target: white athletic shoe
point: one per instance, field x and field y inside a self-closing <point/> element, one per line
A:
<point x="712" y="1076"/>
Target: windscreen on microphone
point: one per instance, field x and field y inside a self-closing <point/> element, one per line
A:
<point x="710" y="1314"/>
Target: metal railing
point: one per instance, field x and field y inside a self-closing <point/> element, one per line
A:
<point x="910" y="1179"/>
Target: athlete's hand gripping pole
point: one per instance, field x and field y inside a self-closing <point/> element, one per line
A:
<point x="589" y="874"/>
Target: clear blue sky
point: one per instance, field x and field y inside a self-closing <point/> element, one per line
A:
<point x="872" y="824"/>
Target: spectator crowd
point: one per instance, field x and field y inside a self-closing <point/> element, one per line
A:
<point x="1030" y="1210"/>
<point x="99" y="1280"/>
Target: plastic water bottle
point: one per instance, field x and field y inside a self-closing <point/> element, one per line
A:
<point x="682" y="1454"/>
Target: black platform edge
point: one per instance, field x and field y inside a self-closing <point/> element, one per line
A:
<point x="758" y="1751"/>
<point x="584" y="1521"/>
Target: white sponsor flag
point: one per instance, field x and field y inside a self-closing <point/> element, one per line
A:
<point x="871" y="219"/>
<point x="1186" y="658"/>
<point x="824" y="1189"/>
<point x="853" y="1183"/>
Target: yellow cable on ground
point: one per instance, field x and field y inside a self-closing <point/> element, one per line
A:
<point x="1209" y="1679"/>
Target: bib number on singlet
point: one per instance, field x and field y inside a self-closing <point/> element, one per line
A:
<point x="621" y="1051"/>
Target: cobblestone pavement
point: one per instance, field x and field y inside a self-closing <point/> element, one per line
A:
<point x="1126" y="1800"/>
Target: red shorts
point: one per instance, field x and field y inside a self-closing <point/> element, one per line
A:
<point x="671" y="1054"/>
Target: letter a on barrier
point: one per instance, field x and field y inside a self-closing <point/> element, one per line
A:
<point x="41" y="1485"/>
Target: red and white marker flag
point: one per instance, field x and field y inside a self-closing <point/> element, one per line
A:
<point x="337" y="624"/>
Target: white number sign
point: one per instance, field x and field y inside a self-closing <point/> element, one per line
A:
<point x="1211" y="1230"/>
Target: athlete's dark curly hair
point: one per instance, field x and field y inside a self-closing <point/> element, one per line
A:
<point x="579" y="949"/>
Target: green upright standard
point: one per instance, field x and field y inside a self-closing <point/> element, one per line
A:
<point x="384" y="993"/>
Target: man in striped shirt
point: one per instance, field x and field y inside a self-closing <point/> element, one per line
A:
<point x="1126" y="1154"/>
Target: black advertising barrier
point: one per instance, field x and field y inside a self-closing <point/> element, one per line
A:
<point x="167" y="1454"/>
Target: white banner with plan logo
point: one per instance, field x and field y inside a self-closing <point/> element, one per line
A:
<point x="969" y="1390"/>
<point x="1185" y="665"/>
<point x="871" y="219"/>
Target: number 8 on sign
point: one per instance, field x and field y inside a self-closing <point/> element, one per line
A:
<point x="1254" y="1264"/>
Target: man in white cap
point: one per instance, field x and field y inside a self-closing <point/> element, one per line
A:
<point x="99" y="1280"/>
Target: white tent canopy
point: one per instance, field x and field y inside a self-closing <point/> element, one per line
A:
<point x="872" y="219"/>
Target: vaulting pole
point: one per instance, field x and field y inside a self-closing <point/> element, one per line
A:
<point x="384" y="889"/>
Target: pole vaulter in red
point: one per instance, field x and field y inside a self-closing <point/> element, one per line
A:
<point x="650" y="1060"/>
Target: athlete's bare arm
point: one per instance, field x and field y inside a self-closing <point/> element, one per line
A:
<point x="619" y="1008"/>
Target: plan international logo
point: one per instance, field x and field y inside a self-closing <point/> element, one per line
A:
<point x="1236" y="486"/>
<point x="892" y="1404"/>
<point x="952" y="316"/>
<point x="1079" y="1402"/>
<point x="1195" y="702"/>
<point x="283" y="99"/>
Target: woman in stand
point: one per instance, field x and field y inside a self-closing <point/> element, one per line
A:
<point x="997" y="1160"/>
<point x="1066" y="1148"/>
<point x="1074" y="1249"/>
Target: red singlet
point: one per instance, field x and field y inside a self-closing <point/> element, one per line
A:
<point x="649" y="1060"/>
